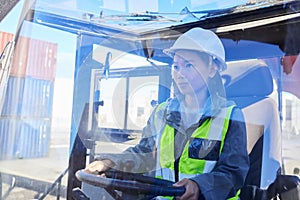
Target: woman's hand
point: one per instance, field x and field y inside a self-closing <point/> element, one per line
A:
<point x="191" y="189"/>
<point x="99" y="166"/>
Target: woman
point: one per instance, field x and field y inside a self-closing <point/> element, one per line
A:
<point x="197" y="138"/>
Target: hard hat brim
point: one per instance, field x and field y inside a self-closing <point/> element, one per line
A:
<point x="201" y="40"/>
<point x="219" y="61"/>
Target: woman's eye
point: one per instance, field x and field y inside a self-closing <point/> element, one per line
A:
<point x="188" y="65"/>
<point x="175" y="67"/>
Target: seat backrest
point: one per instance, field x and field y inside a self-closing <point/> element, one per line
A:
<point x="249" y="83"/>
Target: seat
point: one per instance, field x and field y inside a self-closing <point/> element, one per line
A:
<point x="249" y="83"/>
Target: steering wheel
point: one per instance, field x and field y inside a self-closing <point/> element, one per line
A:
<point x="130" y="183"/>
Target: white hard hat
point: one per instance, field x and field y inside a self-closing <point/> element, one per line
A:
<point x="202" y="40"/>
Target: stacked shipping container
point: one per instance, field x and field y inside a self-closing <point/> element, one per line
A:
<point x="25" y="121"/>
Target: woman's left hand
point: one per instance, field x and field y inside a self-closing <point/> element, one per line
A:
<point x="191" y="189"/>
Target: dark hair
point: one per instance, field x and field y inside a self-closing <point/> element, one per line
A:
<point x="204" y="56"/>
<point x="217" y="93"/>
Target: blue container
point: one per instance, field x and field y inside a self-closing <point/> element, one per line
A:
<point x="24" y="138"/>
<point x="28" y="97"/>
<point x="13" y="97"/>
<point x="8" y="132"/>
<point x="37" y="98"/>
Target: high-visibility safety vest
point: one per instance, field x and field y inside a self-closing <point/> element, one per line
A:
<point x="200" y="153"/>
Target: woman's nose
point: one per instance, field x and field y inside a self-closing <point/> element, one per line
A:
<point x="179" y="75"/>
<point x="181" y="71"/>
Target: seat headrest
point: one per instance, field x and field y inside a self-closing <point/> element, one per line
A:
<point x="247" y="82"/>
<point x="247" y="79"/>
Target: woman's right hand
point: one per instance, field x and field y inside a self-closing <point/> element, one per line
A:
<point x="99" y="166"/>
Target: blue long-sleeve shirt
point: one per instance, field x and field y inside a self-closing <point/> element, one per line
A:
<point x="231" y="169"/>
<point x="232" y="166"/>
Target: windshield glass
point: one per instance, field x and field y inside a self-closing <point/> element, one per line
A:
<point x="80" y="80"/>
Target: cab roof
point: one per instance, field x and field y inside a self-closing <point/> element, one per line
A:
<point x="275" y="23"/>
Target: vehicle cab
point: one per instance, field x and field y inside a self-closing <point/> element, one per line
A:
<point x="79" y="79"/>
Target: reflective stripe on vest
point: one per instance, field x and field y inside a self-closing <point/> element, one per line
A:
<point x="212" y="132"/>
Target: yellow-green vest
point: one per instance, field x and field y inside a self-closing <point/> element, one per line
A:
<point x="212" y="130"/>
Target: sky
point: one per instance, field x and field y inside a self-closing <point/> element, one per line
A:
<point x="9" y="23"/>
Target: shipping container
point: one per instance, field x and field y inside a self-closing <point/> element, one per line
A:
<point x="41" y="62"/>
<point x="7" y="138"/>
<point x="24" y="138"/>
<point x="37" y="98"/>
<point x="19" y="61"/>
<point x="4" y="39"/>
<point x="13" y="97"/>
<point x="28" y="97"/>
<point x="34" y="58"/>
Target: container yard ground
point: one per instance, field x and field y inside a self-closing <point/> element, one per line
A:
<point x="34" y="176"/>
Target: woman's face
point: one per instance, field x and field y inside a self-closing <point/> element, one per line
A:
<point x="190" y="71"/>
